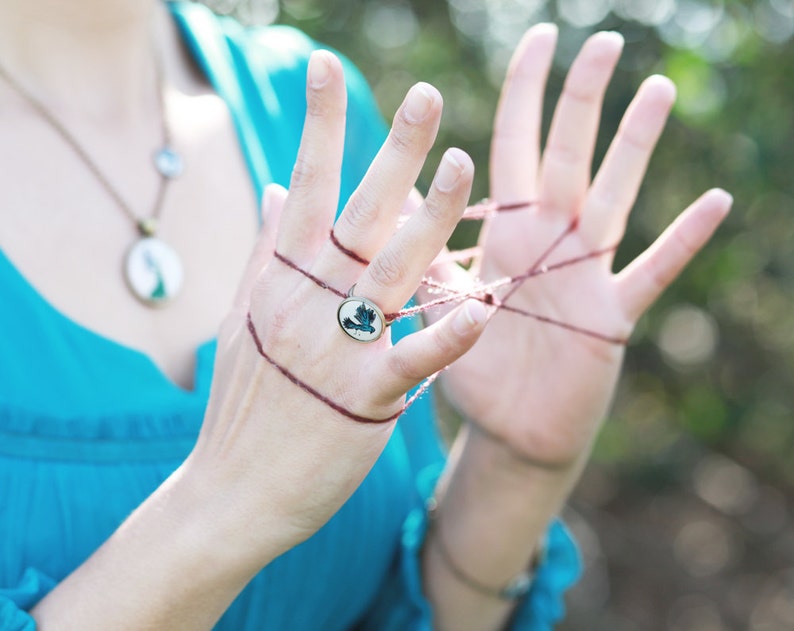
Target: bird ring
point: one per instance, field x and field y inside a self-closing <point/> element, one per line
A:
<point x="360" y="318"/>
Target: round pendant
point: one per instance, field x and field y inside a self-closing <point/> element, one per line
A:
<point x="168" y="162"/>
<point x="153" y="271"/>
<point x="361" y="319"/>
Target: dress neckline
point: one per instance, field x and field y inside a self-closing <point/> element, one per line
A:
<point x="200" y="351"/>
<point x="188" y="18"/>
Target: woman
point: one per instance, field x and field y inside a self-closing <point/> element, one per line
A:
<point x="113" y="515"/>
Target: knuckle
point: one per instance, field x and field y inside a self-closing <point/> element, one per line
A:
<point x="560" y="153"/>
<point x="437" y="207"/>
<point x="404" y="369"/>
<point x="658" y="276"/>
<point x="402" y="141"/>
<point x="634" y="139"/>
<point x="687" y="247"/>
<point x="316" y="107"/>
<point x="361" y="208"/>
<point x="305" y="172"/>
<point x="279" y="326"/>
<point x="319" y="105"/>
<point x="387" y="270"/>
<point x="444" y="343"/>
<point x="579" y="94"/>
<point x="277" y="311"/>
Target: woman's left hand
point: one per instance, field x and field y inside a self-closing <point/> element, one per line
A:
<point x="539" y="388"/>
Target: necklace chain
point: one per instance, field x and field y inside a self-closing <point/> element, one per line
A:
<point x="152" y="268"/>
<point x="145" y="225"/>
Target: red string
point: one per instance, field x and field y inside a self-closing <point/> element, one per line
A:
<point x="486" y="208"/>
<point x="309" y="275"/>
<point x="565" y="325"/>
<point x="483" y="293"/>
<point x="321" y="397"/>
<point x="347" y="252"/>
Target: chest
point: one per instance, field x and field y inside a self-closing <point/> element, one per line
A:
<point x="64" y="232"/>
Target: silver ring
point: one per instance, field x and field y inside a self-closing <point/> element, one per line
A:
<point x="360" y="318"/>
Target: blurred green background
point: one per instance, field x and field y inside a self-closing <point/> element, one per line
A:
<point x="684" y="515"/>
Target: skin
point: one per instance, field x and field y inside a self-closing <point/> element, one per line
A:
<point x="248" y="491"/>
<point x="101" y="84"/>
<point x="530" y="431"/>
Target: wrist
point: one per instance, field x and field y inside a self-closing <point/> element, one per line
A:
<point x="224" y="529"/>
<point x="166" y="567"/>
<point x="508" y="466"/>
<point x="510" y="590"/>
<point x="491" y="493"/>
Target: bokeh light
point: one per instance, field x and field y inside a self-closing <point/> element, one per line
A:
<point x="688" y="336"/>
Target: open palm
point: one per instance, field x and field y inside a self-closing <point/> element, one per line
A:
<point x="541" y="383"/>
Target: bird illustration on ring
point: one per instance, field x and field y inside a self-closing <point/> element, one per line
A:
<point x="364" y="316"/>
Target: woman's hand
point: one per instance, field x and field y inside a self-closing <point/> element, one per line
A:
<point x="537" y="387"/>
<point x="274" y="461"/>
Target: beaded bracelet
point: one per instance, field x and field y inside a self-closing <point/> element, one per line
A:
<point x="516" y="588"/>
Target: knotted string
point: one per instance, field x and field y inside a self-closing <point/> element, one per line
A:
<point x="484" y="293"/>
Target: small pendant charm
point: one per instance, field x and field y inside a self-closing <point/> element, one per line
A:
<point x="147" y="227"/>
<point x="168" y="162"/>
<point x="361" y="319"/>
<point x="153" y="271"/>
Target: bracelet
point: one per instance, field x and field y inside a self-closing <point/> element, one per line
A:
<point x="516" y="588"/>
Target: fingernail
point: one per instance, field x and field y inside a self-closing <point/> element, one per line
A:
<point x="448" y="173"/>
<point x="615" y="38"/>
<point x="724" y="194"/>
<point x="418" y="103"/>
<point x="549" y="28"/>
<point x="319" y="69"/>
<point x="725" y="199"/>
<point x="471" y="315"/>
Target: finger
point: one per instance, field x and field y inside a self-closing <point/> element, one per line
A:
<point x="424" y="353"/>
<point x="272" y="205"/>
<point x="447" y="273"/>
<point x="314" y="186"/>
<point x="394" y="274"/>
<point x="410" y="205"/>
<point x="515" y="148"/>
<point x="645" y="278"/>
<point x="369" y="218"/>
<point x="614" y="190"/>
<point x="567" y="158"/>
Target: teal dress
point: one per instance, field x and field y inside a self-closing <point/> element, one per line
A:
<point x="89" y="427"/>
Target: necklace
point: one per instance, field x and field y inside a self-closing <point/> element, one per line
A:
<point x="152" y="268"/>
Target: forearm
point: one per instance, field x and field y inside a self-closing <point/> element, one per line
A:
<point x="493" y="513"/>
<point x="167" y="567"/>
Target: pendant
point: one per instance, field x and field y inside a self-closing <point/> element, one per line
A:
<point x="153" y="271"/>
<point x="168" y="162"/>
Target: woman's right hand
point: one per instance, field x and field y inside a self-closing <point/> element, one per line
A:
<point x="273" y="462"/>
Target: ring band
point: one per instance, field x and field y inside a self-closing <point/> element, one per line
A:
<point x="360" y="318"/>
